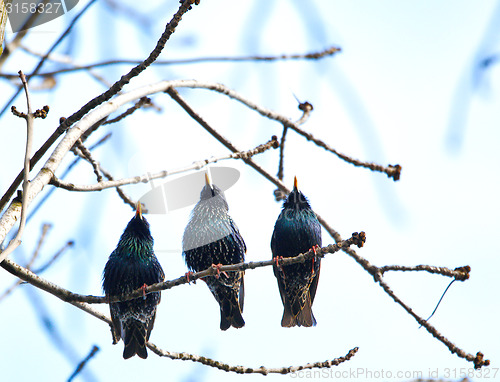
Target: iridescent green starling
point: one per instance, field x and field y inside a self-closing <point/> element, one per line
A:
<point x="130" y="266"/>
<point x="212" y="238"/>
<point x="296" y="231"/>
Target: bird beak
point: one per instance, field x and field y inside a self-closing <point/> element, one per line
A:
<point x="295" y="183"/>
<point x="207" y="181"/>
<point x="138" y="211"/>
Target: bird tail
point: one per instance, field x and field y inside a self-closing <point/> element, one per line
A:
<point x="304" y="316"/>
<point x="231" y="308"/>
<point x="135" y="340"/>
<point x="230" y="314"/>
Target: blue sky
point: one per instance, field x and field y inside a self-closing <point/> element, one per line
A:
<point x="405" y="89"/>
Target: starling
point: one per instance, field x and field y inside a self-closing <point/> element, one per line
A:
<point x="212" y="238"/>
<point x="130" y="266"/>
<point x="296" y="231"/>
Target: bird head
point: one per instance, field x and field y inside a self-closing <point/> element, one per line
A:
<point x="296" y="199"/>
<point x="138" y="225"/>
<point x="212" y="194"/>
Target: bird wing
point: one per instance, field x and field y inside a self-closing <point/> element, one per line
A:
<point x="314" y="284"/>
<point x="150" y="325"/>
<point x="116" y="326"/>
<point x="281" y="285"/>
<point x="241" y="294"/>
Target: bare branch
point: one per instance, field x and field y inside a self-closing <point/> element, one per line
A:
<point x="375" y="271"/>
<point x="306" y="108"/>
<point x="30" y="118"/>
<point x="392" y="171"/>
<point x="144" y="101"/>
<point x="58" y="254"/>
<point x="478" y="359"/>
<point x="80" y="150"/>
<point x="45" y="229"/>
<point x="273" y="143"/>
<point x="17" y="270"/>
<point x="460" y="273"/>
<point x="21" y="272"/>
<point x="120" y="192"/>
<point x="82" y="364"/>
<point x="63" y="59"/>
<point x="248" y="370"/>
<point x="299" y="56"/>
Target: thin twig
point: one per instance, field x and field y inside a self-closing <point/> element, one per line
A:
<point x="45" y="229"/>
<point x="282" y="153"/>
<point x="121" y="193"/>
<point x="478" y="359"/>
<point x="273" y="143"/>
<point x="176" y="97"/>
<point x="460" y="273"/>
<point x="278" y="194"/>
<point x="30" y="118"/>
<point x="249" y="370"/>
<point x="51" y="261"/>
<point x="373" y="270"/>
<point x="65" y="172"/>
<point x="306" y="108"/>
<point x="65" y="59"/>
<point x="392" y="171"/>
<point x="144" y="101"/>
<point x="82" y="364"/>
<point x="300" y="56"/>
<point x="80" y="149"/>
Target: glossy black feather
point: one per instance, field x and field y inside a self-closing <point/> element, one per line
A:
<point x="296" y="231"/>
<point x="212" y="237"/>
<point x="131" y="265"/>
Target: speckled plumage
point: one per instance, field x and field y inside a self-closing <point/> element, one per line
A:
<point x="296" y="231"/>
<point x="212" y="237"/>
<point x="131" y="265"/>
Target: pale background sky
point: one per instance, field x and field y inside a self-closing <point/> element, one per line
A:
<point x="405" y="89"/>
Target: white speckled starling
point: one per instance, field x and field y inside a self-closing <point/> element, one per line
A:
<point x="212" y="238"/>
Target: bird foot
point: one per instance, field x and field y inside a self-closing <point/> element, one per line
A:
<point x="277" y="259"/>
<point x="188" y="275"/>
<point x="314" y="248"/>
<point x="144" y="291"/>
<point x="217" y="268"/>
